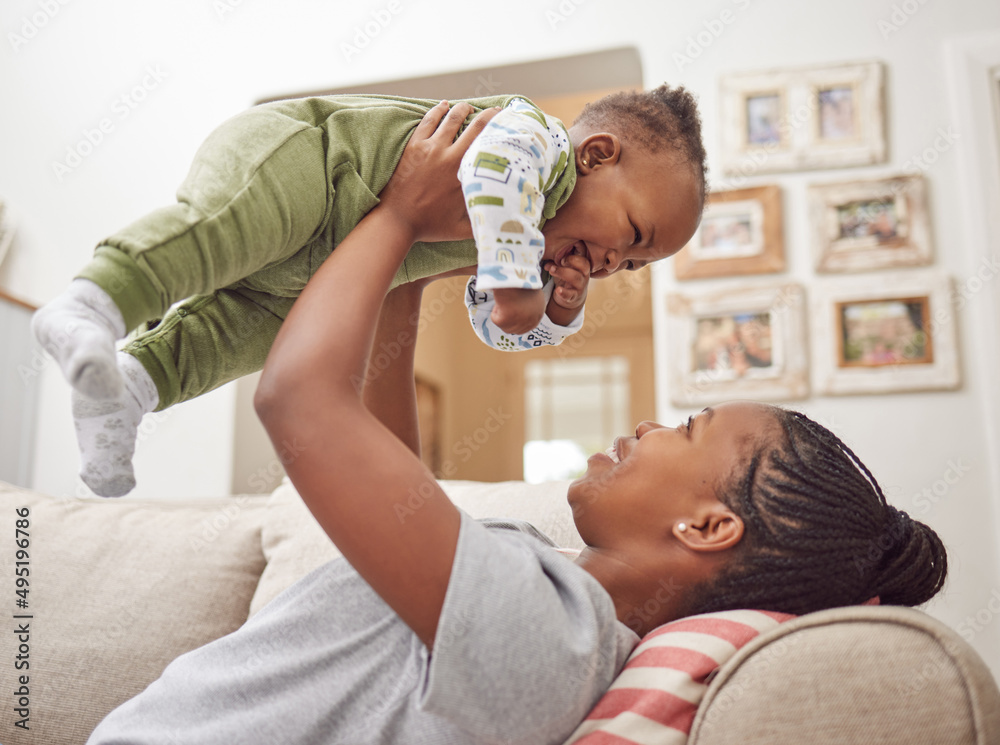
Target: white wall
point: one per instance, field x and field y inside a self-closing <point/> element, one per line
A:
<point x="912" y="442"/>
<point x="203" y="60"/>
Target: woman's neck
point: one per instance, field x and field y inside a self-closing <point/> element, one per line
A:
<point x="643" y="599"/>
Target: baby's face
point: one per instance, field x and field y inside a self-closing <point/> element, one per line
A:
<point x="625" y="215"/>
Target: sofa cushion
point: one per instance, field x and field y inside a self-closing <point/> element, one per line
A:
<point x="117" y="589"/>
<point x="542" y="505"/>
<point x="655" y="697"/>
<point x="294" y="544"/>
<point x="875" y="675"/>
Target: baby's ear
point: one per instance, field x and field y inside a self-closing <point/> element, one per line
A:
<point x="597" y="150"/>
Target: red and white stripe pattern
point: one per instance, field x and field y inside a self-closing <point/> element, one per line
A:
<point x="654" y="699"/>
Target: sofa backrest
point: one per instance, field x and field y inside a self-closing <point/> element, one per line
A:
<point x="879" y="675"/>
<point x="115" y="590"/>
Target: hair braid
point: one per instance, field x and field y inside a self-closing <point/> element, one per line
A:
<point x="819" y="532"/>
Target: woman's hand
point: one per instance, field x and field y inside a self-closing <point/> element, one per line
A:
<point x="424" y="191"/>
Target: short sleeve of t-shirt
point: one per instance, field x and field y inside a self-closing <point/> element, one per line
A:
<point x="527" y="641"/>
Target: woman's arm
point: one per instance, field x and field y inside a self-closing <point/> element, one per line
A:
<point x="367" y="489"/>
<point x="389" y="389"/>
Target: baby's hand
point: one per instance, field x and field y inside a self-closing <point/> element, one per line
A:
<point x="517" y="311"/>
<point x="571" y="281"/>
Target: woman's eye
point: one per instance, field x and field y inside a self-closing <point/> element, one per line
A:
<point x="638" y="235"/>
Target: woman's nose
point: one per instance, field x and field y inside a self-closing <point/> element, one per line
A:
<point x="645" y="427"/>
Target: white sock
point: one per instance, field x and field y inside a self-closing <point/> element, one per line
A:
<point x="106" y="429"/>
<point x="79" y="329"/>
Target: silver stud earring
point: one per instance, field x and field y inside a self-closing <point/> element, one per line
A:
<point x="682" y="527"/>
<point x="585" y="162"/>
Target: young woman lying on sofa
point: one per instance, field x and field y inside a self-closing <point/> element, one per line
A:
<point x="441" y="629"/>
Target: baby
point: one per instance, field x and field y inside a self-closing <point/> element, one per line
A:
<point x="206" y="283"/>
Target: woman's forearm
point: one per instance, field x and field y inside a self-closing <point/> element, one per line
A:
<point x="389" y="389"/>
<point x="306" y="357"/>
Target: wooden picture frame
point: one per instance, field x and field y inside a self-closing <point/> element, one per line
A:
<point x="885" y="333"/>
<point x="740" y="233"/>
<point x="866" y="225"/>
<point x="802" y="118"/>
<point x="744" y="342"/>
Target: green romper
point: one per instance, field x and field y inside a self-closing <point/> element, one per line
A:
<point x="270" y="194"/>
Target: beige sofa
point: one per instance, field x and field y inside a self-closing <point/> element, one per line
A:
<point x="118" y="588"/>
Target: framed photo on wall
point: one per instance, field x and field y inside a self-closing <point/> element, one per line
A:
<point x="740" y="233"/>
<point x="816" y="117"/>
<point x="746" y="342"/>
<point x="864" y="225"/>
<point x="885" y="333"/>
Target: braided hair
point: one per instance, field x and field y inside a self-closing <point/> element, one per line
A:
<point x="655" y="120"/>
<point x="819" y="532"/>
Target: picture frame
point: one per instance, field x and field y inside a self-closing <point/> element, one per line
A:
<point x="875" y="224"/>
<point x="743" y="342"/>
<point x="803" y="118"/>
<point x="740" y="233"/>
<point x="885" y="333"/>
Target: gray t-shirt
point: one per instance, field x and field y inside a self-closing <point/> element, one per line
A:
<point x="526" y="644"/>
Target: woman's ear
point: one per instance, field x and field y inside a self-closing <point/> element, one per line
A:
<point x="596" y="150"/>
<point x="716" y="528"/>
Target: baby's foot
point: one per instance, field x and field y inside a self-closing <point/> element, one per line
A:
<point x="106" y="430"/>
<point x="79" y="329"/>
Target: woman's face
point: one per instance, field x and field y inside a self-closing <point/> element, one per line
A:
<point x="665" y="475"/>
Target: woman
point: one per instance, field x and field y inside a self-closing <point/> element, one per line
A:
<point x="441" y="629"/>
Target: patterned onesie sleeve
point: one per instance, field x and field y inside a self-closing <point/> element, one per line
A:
<point x="480" y="303"/>
<point x="504" y="176"/>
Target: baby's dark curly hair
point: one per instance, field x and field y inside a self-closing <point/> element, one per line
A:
<point x="819" y="532"/>
<point x="656" y="120"/>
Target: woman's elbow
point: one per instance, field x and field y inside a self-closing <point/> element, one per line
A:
<point x="271" y="398"/>
<point x="288" y="395"/>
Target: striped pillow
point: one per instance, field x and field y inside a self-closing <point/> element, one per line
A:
<point x="654" y="699"/>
